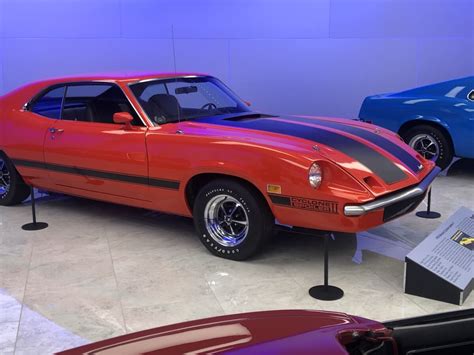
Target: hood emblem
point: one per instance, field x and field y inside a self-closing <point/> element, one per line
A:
<point x="420" y="167"/>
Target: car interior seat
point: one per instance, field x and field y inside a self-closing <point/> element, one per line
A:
<point x="164" y="108"/>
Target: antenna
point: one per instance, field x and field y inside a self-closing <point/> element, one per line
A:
<point x="175" y="72"/>
<point x="174" y="50"/>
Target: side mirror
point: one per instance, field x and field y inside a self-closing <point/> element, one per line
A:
<point x="124" y="118"/>
<point x="248" y="103"/>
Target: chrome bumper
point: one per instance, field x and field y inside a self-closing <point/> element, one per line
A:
<point x="421" y="188"/>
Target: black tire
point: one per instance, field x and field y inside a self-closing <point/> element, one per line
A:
<point x="260" y="218"/>
<point x="18" y="191"/>
<point x="445" y="153"/>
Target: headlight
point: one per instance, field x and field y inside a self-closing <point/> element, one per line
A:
<point x="315" y="175"/>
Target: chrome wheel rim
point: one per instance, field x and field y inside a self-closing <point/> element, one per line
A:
<point x="226" y="220"/>
<point x="5" y="178"/>
<point x="426" y="145"/>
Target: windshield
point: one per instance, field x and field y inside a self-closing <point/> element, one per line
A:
<point x="178" y="99"/>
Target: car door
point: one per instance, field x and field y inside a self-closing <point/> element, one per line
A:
<point x="87" y="154"/>
<point x="26" y="130"/>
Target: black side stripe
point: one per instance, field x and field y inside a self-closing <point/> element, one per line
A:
<point x="411" y="162"/>
<point x="280" y="200"/>
<point x="141" y="180"/>
<point x="371" y="158"/>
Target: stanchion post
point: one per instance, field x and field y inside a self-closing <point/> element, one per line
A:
<point x="326" y="292"/>
<point x="428" y="213"/>
<point x="35" y="226"/>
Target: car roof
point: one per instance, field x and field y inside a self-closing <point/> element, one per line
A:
<point x="26" y="92"/>
<point x="122" y="77"/>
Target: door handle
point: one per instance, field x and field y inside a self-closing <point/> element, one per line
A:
<point x="53" y="130"/>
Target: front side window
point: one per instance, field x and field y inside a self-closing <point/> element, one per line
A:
<point x="49" y="104"/>
<point x="172" y="100"/>
<point x="96" y="103"/>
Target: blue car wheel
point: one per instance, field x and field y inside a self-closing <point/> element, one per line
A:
<point x="431" y="143"/>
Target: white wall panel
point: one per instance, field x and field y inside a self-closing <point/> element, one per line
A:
<point x="61" y="19"/>
<point x="26" y="60"/>
<point x="255" y="19"/>
<point x="400" y="18"/>
<point x="2" y="15"/>
<point x="324" y="77"/>
<point x="444" y="59"/>
<point x="291" y="56"/>
<point x="226" y="19"/>
<point x="138" y="55"/>
<point x="147" y="18"/>
<point x="203" y="56"/>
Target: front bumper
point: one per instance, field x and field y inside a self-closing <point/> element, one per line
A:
<point x="397" y="203"/>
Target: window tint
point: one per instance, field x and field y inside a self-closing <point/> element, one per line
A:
<point x="49" y="105"/>
<point x="96" y="103"/>
<point x="196" y="95"/>
<point x="153" y="90"/>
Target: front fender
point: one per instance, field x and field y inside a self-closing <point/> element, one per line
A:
<point x="256" y="168"/>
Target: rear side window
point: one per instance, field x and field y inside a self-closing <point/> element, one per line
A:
<point x="49" y="104"/>
<point x="96" y="103"/>
<point x="471" y="95"/>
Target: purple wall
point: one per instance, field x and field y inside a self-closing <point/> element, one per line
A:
<point x="288" y="56"/>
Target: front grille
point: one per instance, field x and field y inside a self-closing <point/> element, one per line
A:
<point x="403" y="207"/>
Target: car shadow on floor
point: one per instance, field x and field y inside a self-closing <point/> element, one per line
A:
<point x="381" y="240"/>
<point x="462" y="168"/>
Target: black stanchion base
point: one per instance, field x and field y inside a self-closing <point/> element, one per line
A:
<point x="326" y="293"/>
<point x="34" y="226"/>
<point x="428" y="214"/>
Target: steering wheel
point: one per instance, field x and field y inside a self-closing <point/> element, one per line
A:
<point x="209" y="106"/>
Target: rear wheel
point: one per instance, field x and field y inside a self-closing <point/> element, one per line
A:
<point x="431" y="143"/>
<point x="13" y="189"/>
<point x="231" y="219"/>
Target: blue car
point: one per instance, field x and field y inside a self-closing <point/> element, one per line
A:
<point x="436" y="120"/>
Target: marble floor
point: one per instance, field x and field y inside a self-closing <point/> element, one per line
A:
<point x="103" y="270"/>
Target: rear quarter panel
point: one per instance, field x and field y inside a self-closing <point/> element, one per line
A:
<point x="455" y="115"/>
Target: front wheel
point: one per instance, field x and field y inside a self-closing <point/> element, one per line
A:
<point x="232" y="220"/>
<point x="13" y="189"/>
<point x="431" y="143"/>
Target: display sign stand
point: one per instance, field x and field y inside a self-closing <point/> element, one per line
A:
<point x="34" y="226"/>
<point x="326" y="292"/>
<point x="422" y="282"/>
<point x="441" y="266"/>
<point x="428" y="213"/>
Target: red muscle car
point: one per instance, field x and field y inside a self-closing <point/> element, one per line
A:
<point x="186" y="144"/>
<point x="298" y="332"/>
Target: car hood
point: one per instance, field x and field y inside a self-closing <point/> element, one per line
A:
<point x="258" y="332"/>
<point x="373" y="155"/>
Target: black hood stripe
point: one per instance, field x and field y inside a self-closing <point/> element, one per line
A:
<point x="372" y="159"/>
<point x="411" y="162"/>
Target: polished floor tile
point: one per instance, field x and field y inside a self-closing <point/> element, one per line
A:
<point x="103" y="270"/>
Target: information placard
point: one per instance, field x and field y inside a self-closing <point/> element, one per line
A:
<point x="445" y="257"/>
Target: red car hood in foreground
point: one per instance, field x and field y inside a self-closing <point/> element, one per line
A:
<point x="292" y="331"/>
